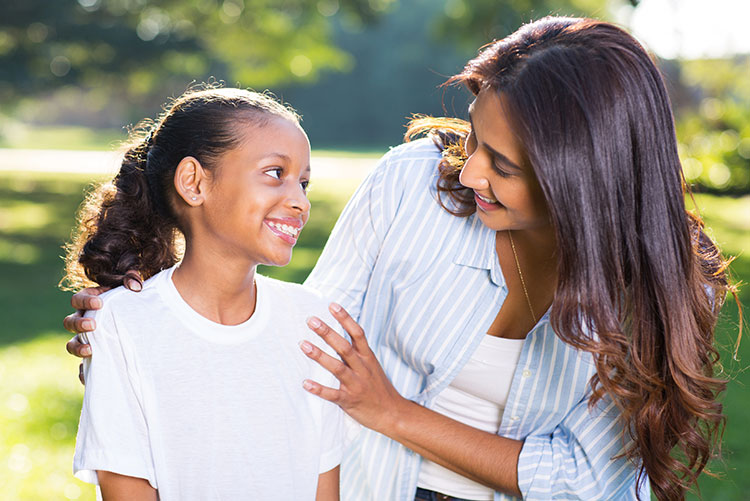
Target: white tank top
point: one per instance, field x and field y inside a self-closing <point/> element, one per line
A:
<point x="476" y="397"/>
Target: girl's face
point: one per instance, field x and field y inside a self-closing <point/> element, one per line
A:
<point x="256" y="204"/>
<point x="506" y="191"/>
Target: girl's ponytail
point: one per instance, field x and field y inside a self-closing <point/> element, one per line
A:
<point x="123" y="226"/>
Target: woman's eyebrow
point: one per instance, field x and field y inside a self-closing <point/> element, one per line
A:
<point x="498" y="156"/>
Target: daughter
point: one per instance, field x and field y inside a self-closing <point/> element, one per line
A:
<point x="195" y="389"/>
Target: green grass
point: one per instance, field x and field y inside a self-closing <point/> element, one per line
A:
<point x="40" y="395"/>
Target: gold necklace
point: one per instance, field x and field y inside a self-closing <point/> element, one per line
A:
<point x="520" y="274"/>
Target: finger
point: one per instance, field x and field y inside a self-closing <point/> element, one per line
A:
<point x="337" y="342"/>
<point x="133" y="281"/>
<point x="323" y="392"/>
<point x="86" y="299"/>
<point x="80" y="374"/>
<point x="77" y="348"/>
<point x="76" y="323"/>
<point x="359" y="341"/>
<point x="333" y="365"/>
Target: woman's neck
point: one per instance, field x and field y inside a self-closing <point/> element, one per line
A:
<point x="218" y="287"/>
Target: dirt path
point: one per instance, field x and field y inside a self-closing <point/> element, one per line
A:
<point x="106" y="162"/>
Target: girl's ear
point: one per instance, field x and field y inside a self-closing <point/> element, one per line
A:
<point x="191" y="181"/>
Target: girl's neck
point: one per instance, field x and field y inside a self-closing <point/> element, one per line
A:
<point x="220" y="288"/>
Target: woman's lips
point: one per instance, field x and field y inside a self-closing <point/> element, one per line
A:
<point x="484" y="204"/>
<point x="287" y="229"/>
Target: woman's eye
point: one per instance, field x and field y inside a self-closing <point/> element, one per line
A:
<point x="471" y="144"/>
<point x="500" y="171"/>
<point x="275" y="173"/>
<point x="304" y="185"/>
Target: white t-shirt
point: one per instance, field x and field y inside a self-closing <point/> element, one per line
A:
<point x="203" y="410"/>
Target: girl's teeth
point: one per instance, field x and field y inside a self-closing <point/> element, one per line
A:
<point x="289" y="230"/>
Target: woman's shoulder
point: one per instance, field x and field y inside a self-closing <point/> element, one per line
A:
<point x="414" y="157"/>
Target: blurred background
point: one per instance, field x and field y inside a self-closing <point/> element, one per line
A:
<point x="73" y="73"/>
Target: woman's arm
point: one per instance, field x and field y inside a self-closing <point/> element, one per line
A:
<point x="582" y="457"/>
<point x="116" y="487"/>
<point x="328" y="485"/>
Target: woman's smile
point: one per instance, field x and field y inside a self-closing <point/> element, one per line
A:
<point x="486" y="204"/>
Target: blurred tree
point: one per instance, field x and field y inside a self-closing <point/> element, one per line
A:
<point x="136" y="44"/>
<point x="713" y="125"/>
<point x="472" y="23"/>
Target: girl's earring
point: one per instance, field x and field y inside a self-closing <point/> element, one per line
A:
<point x="193" y="198"/>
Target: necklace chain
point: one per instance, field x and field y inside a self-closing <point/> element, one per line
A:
<point x="520" y="274"/>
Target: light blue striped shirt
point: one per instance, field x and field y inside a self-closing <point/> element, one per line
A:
<point x="426" y="285"/>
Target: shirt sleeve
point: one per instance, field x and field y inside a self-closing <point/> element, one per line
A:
<point x="333" y="432"/>
<point x="112" y="432"/>
<point x="580" y="459"/>
<point x="343" y="270"/>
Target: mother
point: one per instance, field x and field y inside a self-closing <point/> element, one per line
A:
<point x="571" y="202"/>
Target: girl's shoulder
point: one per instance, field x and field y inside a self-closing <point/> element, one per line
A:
<point x="294" y="295"/>
<point x="122" y="300"/>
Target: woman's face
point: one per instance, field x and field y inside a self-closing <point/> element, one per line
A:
<point x="506" y="191"/>
<point x="257" y="202"/>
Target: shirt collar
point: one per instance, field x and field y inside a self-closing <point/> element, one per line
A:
<point x="477" y="250"/>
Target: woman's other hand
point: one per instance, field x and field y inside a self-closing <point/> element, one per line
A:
<point x="83" y="301"/>
<point x="364" y="392"/>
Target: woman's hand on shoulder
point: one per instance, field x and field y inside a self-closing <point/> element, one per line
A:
<point x="82" y="301"/>
<point x="365" y="392"/>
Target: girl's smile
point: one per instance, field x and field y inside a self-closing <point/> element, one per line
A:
<point x="288" y="229"/>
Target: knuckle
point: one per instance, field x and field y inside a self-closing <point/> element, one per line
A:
<point x="339" y="370"/>
<point x="347" y="350"/>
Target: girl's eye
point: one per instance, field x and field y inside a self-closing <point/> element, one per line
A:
<point x="275" y="172"/>
<point x="304" y="185"/>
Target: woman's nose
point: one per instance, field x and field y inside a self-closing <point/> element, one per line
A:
<point x="471" y="173"/>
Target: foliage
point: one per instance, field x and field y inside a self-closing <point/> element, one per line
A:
<point x="134" y="45"/>
<point x="714" y="135"/>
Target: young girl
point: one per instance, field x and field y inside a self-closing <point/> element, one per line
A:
<point x="195" y="389"/>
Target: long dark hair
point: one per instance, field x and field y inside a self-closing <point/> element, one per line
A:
<point x="130" y="223"/>
<point x="640" y="284"/>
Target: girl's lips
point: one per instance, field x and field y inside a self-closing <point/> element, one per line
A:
<point x="486" y="206"/>
<point x="287" y="229"/>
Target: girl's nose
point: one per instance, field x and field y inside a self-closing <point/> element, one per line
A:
<point x="299" y="200"/>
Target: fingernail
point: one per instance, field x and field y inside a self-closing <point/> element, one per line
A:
<point x="307" y="385"/>
<point x="96" y="303"/>
<point x="336" y="307"/>
<point x="313" y="322"/>
<point x="306" y="347"/>
<point x="134" y="285"/>
<point x="88" y="325"/>
<point x="86" y="351"/>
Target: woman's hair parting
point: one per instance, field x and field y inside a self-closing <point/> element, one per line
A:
<point x="130" y="224"/>
<point x="640" y="283"/>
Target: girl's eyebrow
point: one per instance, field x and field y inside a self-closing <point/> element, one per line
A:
<point x="283" y="156"/>
<point x="498" y="156"/>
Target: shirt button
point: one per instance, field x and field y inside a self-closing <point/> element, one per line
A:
<point x="514" y="418"/>
<point x="526" y="373"/>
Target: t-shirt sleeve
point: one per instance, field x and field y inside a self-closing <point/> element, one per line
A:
<point x="332" y="417"/>
<point x="112" y="432"/>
